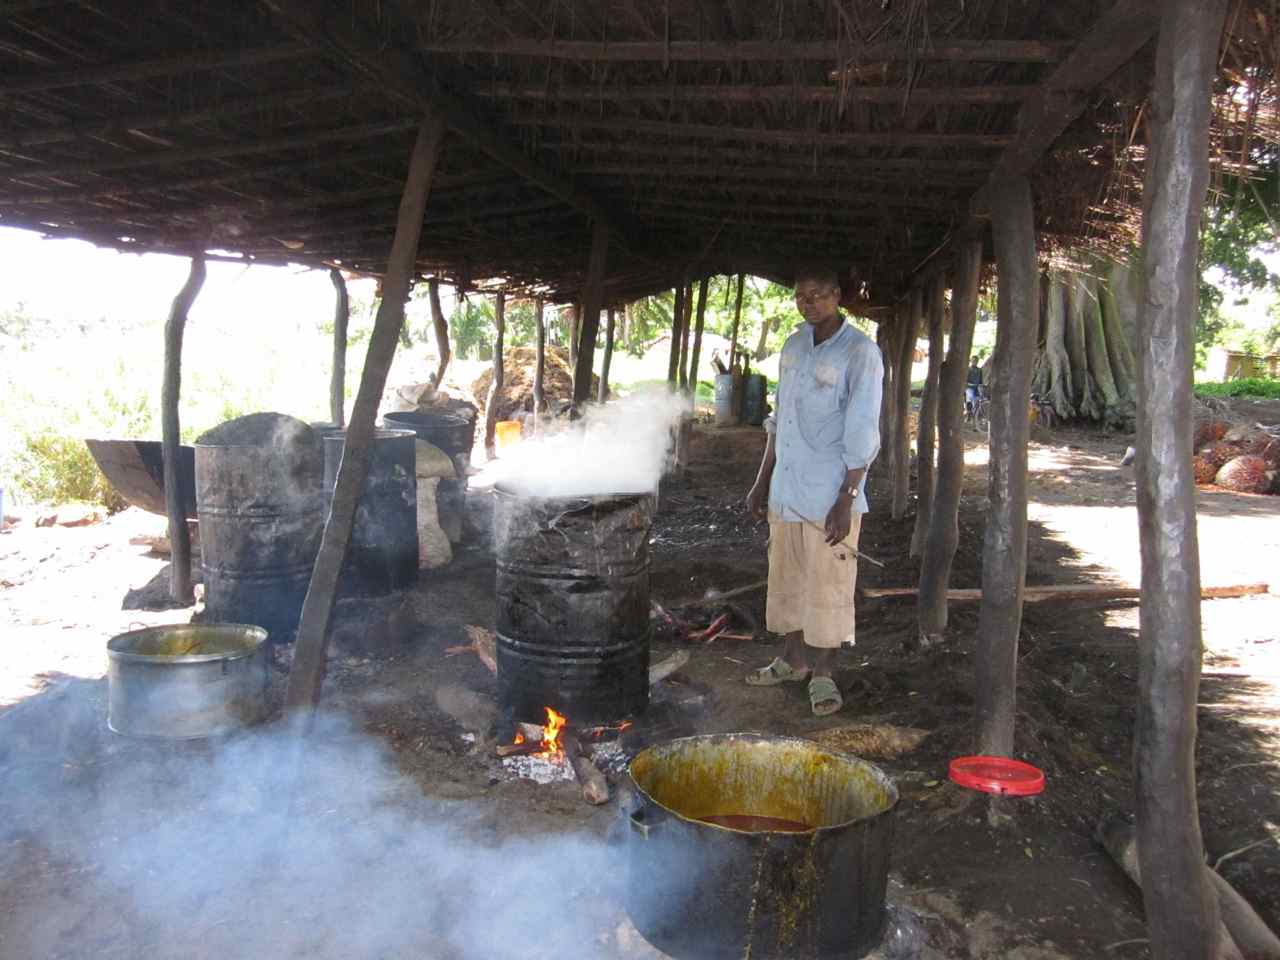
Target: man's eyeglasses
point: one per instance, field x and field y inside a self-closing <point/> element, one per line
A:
<point x="814" y="297"/>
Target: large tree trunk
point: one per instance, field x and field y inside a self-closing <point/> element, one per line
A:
<point x="1086" y="292"/>
<point x="628" y="326"/>
<point x="677" y="318"/>
<point x="1119" y="343"/>
<point x="902" y="404"/>
<point x="928" y="415"/>
<point x="603" y="394"/>
<point x="1004" y="548"/>
<point x="441" y="326"/>
<point x="1088" y="400"/>
<point x="944" y="530"/>
<point x="1056" y="384"/>
<point x="1124" y="284"/>
<point x="737" y="318"/>
<point x="695" y="355"/>
<point x="1182" y="914"/>
<point x="592" y="304"/>
<point x="540" y="358"/>
<point x="499" y="375"/>
<point x="338" y="378"/>
<point x="306" y="675"/>
<point x="575" y="324"/>
<point x="180" y="588"/>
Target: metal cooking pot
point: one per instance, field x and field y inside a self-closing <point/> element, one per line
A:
<point x="184" y="681"/>
<point x="702" y="890"/>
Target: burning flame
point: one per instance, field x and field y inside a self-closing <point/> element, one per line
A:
<point x="551" y="731"/>
<point x="519" y="738"/>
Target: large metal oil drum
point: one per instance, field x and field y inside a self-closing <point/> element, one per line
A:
<point x="728" y="387"/>
<point x="754" y="846"/>
<point x="382" y="555"/>
<point x="755" y="398"/>
<point x="454" y="433"/>
<point x="187" y="680"/>
<point x="573" y="604"/>
<point x="261" y="510"/>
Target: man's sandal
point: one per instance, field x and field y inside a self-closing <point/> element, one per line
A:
<point x="775" y="673"/>
<point x="824" y="696"/>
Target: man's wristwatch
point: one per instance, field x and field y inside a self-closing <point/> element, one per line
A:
<point x="852" y="491"/>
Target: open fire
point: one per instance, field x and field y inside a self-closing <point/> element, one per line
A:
<point x="553" y="752"/>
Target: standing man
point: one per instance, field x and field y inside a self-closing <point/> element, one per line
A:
<point x="822" y="438"/>
<point x="972" y="387"/>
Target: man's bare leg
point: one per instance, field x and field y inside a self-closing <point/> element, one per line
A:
<point x="821" y="660"/>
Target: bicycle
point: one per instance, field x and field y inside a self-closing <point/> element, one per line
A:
<point x="978" y="413"/>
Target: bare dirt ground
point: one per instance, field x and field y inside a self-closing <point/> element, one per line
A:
<point x="395" y="833"/>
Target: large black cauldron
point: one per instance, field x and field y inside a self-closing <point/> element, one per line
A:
<point x="573" y="605"/>
<point x="697" y="889"/>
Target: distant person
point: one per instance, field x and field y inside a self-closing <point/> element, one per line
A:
<point x="822" y="438"/>
<point x="972" y="387"/>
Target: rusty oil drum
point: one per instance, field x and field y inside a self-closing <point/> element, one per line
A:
<point x="573" y="604"/>
<point x="699" y="891"/>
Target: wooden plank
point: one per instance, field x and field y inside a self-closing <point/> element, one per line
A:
<point x="89" y="74"/>
<point x="1070" y="591"/>
<point x="338" y="377"/>
<point x="498" y="380"/>
<point x="592" y="303"/>
<point x="402" y="74"/>
<point x="789" y="137"/>
<point x="752" y="93"/>
<point x="678" y="51"/>
<point x="306" y="676"/>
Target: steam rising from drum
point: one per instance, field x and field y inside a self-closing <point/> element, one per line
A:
<point x="620" y="447"/>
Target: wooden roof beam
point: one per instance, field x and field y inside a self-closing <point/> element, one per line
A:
<point x="792" y="179"/>
<point x="401" y="73"/>
<point x="710" y="131"/>
<point x="754" y="93"/>
<point x="632" y="51"/>
<point x="95" y="73"/>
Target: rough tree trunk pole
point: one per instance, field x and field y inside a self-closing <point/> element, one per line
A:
<point x="540" y="355"/>
<point x="306" y="676"/>
<point x="677" y="315"/>
<point x="695" y="355"/>
<point x="1114" y="328"/>
<point x="762" y="347"/>
<point x="171" y="435"/>
<point x="1182" y="914"/>
<point x="686" y="328"/>
<point x="592" y="304"/>
<point x="338" y="379"/>
<point x="1057" y="385"/>
<point x="441" y="326"/>
<point x="628" y="325"/>
<point x="499" y="375"/>
<point x="1088" y="399"/>
<point x="1004" y="549"/>
<point x="928" y="416"/>
<point x="1095" y="343"/>
<point x="902" y="404"/>
<point x="575" y="324"/>
<point x="944" y="530"/>
<point x="886" y="340"/>
<point x="737" y="319"/>
<point x="603" y="395"/>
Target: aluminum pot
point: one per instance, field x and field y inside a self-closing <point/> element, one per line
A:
<point x="698" y="889"/>
<point x="185" y="681"/>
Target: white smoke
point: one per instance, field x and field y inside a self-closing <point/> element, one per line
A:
<point x="620" y="447"/>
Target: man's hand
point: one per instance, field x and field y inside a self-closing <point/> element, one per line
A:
<point x="758" y="501"/>
<point x="839" y="519"/>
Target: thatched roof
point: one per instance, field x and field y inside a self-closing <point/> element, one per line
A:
<point x="739" y="135"/>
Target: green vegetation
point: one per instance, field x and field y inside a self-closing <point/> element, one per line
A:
<point x="1265" y="388"/>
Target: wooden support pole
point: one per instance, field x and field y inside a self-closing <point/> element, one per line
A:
<point x="934" y="308"/>
<point x="737" y="319"/>
<point x="592" y="303"/>
<point x="677" y="315"/>
<point x="686" y="323"/>
<point x="499" y="375"/>
<point x="306" y="676"/>
<point x="180" y="589"/>
<point x="695" y="354"/>
<point x="944" y="530"/>
<point x="540" y="362"/>
<point x="441" y="325"/>
<point x="1182" y="915"/>
<point x="603" y="394"/>
<point x="886" y="338"/>
<point x="338" y="378"/>
<point x="901" y="433"/>
<point x="575" y="325"/>
<point x="1004" y="549"/>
